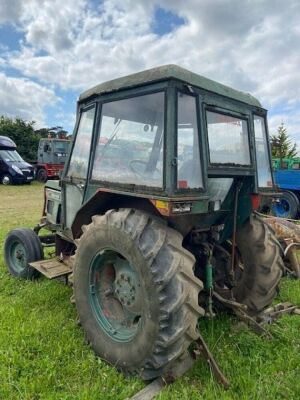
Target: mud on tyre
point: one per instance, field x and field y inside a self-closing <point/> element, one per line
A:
<point x="262" y="262"/>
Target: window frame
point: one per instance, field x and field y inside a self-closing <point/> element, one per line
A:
<point x="186" y="91"/>
<point x="81" y="110"/>
<point x="225" y="170"/>
<point x="124" y="96"/>
<point x="264" y="117"/>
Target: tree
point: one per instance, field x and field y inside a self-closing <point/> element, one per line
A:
<point x="23" y="134"/>
<point x="281" y="144"/>
<point x="26" y="137"/>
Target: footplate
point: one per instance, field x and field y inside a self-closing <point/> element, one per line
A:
<point x="51" y="268"/>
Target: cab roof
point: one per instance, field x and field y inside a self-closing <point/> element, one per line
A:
<point x="165" y="72"/>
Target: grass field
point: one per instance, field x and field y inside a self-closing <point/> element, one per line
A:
<point x="43" y="354"/>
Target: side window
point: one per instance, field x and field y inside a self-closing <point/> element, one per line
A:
<point x="228" y="139"/>
<point x="130" y="145"/>
<point x="262" y="154"/>
<point x="189" y="174"/>
<point x="81" y="151"/>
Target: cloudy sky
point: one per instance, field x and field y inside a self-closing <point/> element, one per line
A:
<point x="51" y="50"/>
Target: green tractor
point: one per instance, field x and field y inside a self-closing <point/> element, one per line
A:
<point x="154" y="221"/>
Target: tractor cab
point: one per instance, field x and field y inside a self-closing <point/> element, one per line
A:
<point x="178" y="141"/>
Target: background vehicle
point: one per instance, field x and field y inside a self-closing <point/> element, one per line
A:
<point x="287" y="177"/>
<point x="13" y="169"/>
<point x="161" y="231"/>
<point x="52" y="155"/>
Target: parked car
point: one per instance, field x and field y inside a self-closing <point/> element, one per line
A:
<point x="13" y="169"/>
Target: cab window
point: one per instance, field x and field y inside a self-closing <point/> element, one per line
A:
<point x="81" y="151"/>
<point x="264" y="174"/>
<point x="228" y="139"/>
<point x="189" y="173"/>
<point x="130" y="143"/>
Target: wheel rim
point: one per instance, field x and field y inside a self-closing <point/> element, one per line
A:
<point x="6" y="180"/>
<point x="115" y="295"/>
<point x="18" y="256"/>
<point x="282" y="209"/>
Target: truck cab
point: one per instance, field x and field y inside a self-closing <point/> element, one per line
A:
<point x="52" y="155"/>
<point x="13" y="169"/>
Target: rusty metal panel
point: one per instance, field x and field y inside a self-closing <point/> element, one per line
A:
<point x="51" y="268"/>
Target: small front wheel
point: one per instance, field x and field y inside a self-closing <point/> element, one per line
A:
<point x="21" y="247"/>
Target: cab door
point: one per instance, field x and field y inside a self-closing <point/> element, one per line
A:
<point x="74" y="181"/>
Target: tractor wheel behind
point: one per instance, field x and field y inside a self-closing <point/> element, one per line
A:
<point x="21" y="247"/>
<point x="135" y="292"/>
<point x="262" y="265"/>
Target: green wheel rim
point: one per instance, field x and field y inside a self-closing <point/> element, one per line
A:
<point x="115" y="295"/>
<point x="18" y="256"/>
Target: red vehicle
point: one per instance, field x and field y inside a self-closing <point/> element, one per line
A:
<point x="52" y="155"/>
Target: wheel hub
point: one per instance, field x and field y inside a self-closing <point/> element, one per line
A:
<point x="5" y="180"/>
<point x="125" y="289"/>
<point x="115" y="294"/>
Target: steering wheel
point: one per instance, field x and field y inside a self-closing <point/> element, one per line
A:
<point x="134" y="169"/>
<point x="138" y="172"/>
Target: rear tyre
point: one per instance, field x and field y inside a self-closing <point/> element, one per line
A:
<point x="21" y="247"/>
<point x="41" y="175"/>
<point x="135" y="292"/>
<point x="6" y="179"/>
<point x="287" y="206"/>
<point x="262" y="265"/>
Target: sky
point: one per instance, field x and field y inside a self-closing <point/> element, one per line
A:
<point x="52" y="50"/>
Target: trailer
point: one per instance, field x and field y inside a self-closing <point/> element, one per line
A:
<point x="287" y="178"/>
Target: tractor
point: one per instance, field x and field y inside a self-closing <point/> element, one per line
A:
<point x="154" y="218"/>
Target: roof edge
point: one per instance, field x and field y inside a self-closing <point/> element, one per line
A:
<point x="164" y="72"/>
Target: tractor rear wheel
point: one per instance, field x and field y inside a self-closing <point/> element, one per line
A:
<point x="262" y="265"/>
<point x="135" y="292"/>
<point x="21" y="247"/>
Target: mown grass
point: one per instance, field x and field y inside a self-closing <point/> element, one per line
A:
<point x="43" y="354"/>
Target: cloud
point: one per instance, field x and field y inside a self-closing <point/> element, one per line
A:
<point x="26" y="99"/>
<point x="251" y="46"/>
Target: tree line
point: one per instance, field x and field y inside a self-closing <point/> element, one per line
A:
<point x="26" y="137"/>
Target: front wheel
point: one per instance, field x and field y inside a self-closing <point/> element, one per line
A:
<point x="41" y="175"/>
<point x="135" y="292"/>
<point x="21" y="247"/>
<point x="6" y="179"/>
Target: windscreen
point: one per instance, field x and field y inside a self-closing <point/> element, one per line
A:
<point x="61" y="147"/>
<point x="130" y="144"/>
<point x="10" y="156"/>
<point x="228" y="139"/>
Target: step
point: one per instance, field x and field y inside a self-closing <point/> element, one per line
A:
<point x="51" y="268"/>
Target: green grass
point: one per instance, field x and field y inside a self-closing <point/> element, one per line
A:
<point x="43" y="354"/>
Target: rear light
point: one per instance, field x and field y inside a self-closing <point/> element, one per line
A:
<point x="255" y="201"/>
